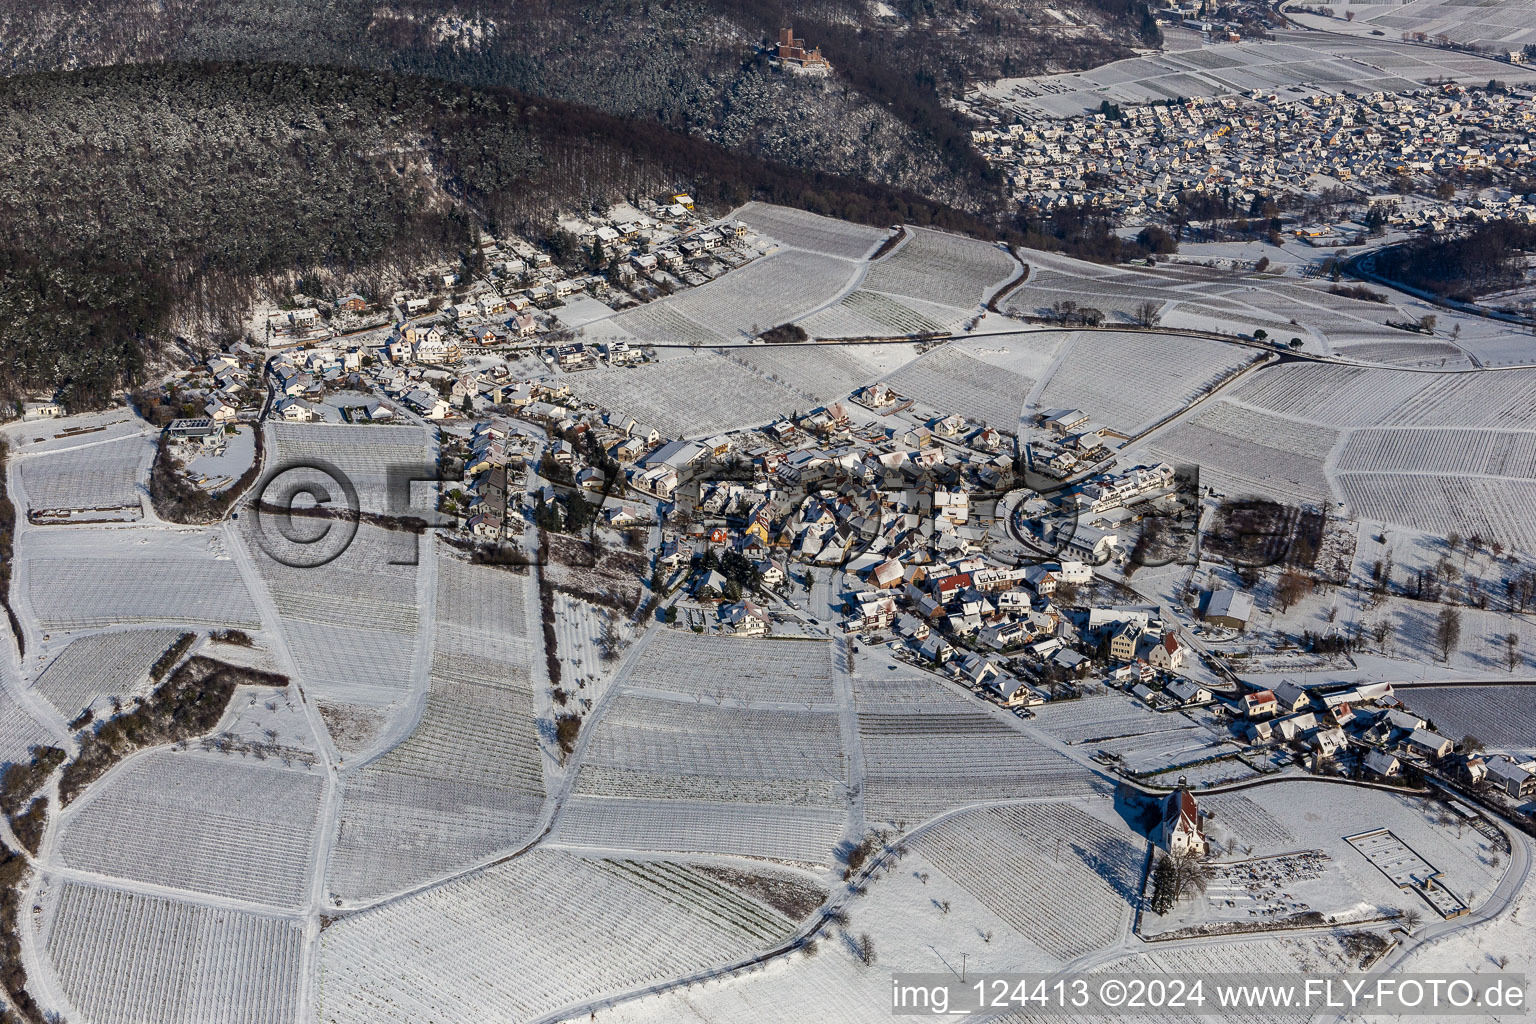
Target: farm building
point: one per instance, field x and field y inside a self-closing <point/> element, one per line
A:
<point x="1230" y="608"/>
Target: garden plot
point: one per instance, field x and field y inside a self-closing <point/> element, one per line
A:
<point x="809" y="231"/>
<point x="365" y="455"/>
<point x="736" y="668"/>
<point x="130" y="958"/>
<point x="88" y="579"/>
<point x="469" y="780"/>
<point x="1248" y="453"/>
<point x="1179" y="370"/>
<point x="530" y="936"/>
<point x="95" y="483"/>
<point x="200" y="823"/>
<point x="948" y="380"/>
<point x="1470" y="863"/>
<point x="950" y="270"/>
<point x="662" y="749"/>
<point x="352" y="623"/>
<point x="106" y="665"/>
<point x="920" y="761"/>
<point x="693" y="395"/>
<point x="1061" y="877"/>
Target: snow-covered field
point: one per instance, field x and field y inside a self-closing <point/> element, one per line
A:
<point x="110" y="664"/>
<point x="947" y="379"/>
<point x="1164" y="374"/>
<point x="736" y="668"/>
<point x="533" y="935"/>
<point x="942" y="750"/>
<point x="809" y="231"/>
<point x="130" y="957"/>
<point x="773" y="290"/>
<point x="365" y="455"/>
<point x="352" y="623"/>
<point x="933" y="266"/>
<point x="83" y="578"/>
<point x="693" y="395"/>
<point x="97" y="481"/>
<point x="469" y="779"/>
<point x="205" y="823"/>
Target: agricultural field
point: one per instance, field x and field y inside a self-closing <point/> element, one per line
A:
<point x="928" y="758"/>
<point x="469" y="779"/>
<point x="531" y="936"/>
<point x="866" y="314"/>
<point x="820" y="373"/>
<point x="19" y="731"/>
<point x="1499" y="25"/>
<point x="795" y="835"/>
<point x="126" y="958"/>
<point x="953" y="381"/>
<point x="1092" y="720"/>
<point x="266" y="719"/>
<point x="97" y="482"/>
<point x="693" y="395"/>
<point x="199" y="822"/>
<point x="773" y="290"/>
<point x="93" y="578"/>
<point x="105" y="665"/>
<point x="1072" y="878"/>
<point x="1179" y="370"/>
<point x="1329" y="65"/>
<point x="1500" y="716"/>
<point x="1495" y="509"/>
<point x="352" y="624"/>
<point x="1248" y="453"/>
<point x="364" y="454"/>
<point x="644" y="748"/>
<point x="30" y="438"/>
<point x="803" y="230"/>
<point x="950" y="270"/>
<point x="733" y="668"/>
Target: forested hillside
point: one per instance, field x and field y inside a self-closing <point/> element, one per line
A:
<point x="690" y="64"/>
<point x="137" y="198"/>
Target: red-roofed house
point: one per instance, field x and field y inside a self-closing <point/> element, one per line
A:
<point x="1258" y="705"/>
<point x="1168" y="654"/>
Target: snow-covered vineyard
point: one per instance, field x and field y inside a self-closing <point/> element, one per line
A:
<point x="508" y="768"/>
